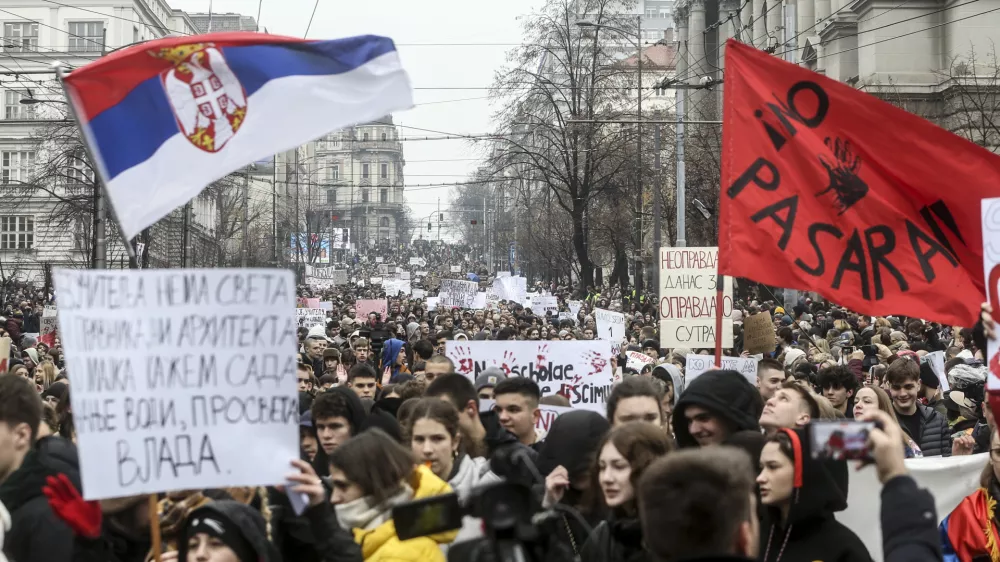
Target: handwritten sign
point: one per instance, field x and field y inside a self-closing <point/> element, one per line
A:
<point x="610" y="327"/>
<point x="758" y="333"/>
<point x="991" y="273"/>
<point x="574" y="307"/>
<point x="687" y="298"/>
<point x="379" y="260"/>
<point x="365" y="307"/>
<point x="544" y="304"/>
<point x="175" y="371"/>
<point x="637" y="360"/>
<point x="309" y="317"/>
<point x="458" y="293"/>
<point x="48" y="326"/>
<point x="4" y="354"/>
<point x="698" y="364"/>
<point x="456" y="269"/>
<point x="581" y="369"/>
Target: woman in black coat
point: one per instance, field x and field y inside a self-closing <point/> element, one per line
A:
<point x="622" y="457"/>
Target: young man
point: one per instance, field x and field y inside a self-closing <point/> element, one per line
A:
<point x="839" y="385"/>
<point x="714" y="406"/>
<point x="331" y="360"/>
<point x="791" y="406"/>
<point x="770" y="375"/>
<point x="362" y="350"/>
<point x="700" y="505"/>
<point x="36" y="534"/>
<point x="363" y="380"/>
<point x="517" y="405"/>
<point x="305" y="377"/>
<point x="487" y="382"/>
<point x="635" y="399"/>
<point x="437" y="366"/>
<point x="440" y="340"/>
<point x="337" y="416"/>
<point x="925" y="426"/>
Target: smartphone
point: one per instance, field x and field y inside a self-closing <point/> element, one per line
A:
<point x="848" y="351"/>
<point x="428" y="516"/>
<point x="840" y="439"/>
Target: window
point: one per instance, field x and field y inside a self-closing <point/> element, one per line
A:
<point x="364" y="195"/>
<point x="17" y="232"/>
<point x="331" y="196"/>
<point x="384" y="221"/>
<point x="651" y="12"/>
<point x="364" y="136"/>
<point x="20" y="37"/>
<point x="384" y="172"/>
<point x="385" y="136"/>
<point x="15" y="166"/>
<point x="81" y="234"/>
<point x="12" y="107"/>
<point x="383" y="197"/>
<point x="335" y="172"/>
<point x="135" y="34"/>
<point x="364" y="171"/>
<point x="79" y="174"/>
<point x="86" y="36"/>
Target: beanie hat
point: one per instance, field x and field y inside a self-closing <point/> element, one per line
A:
<point x="489" y="378"/>
<point x="725" y="393"/>
<point x="217" y="525"/>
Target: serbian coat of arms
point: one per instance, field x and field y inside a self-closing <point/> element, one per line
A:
<point x="208" y="100"/>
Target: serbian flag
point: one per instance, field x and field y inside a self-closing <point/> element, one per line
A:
<point x="166" y="118"/>
<point x="828" y="189"/>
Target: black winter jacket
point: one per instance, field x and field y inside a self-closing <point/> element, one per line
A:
<point x="725" y="393"/>
<point x="249" y="522"/>
<point x="811" y="531"/>
<point x="909" y="523"/>
<point x="935" y="435"/>
<point x="37" y="534"/>
<point x="615" y="540"/>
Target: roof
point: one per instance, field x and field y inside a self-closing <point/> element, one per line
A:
<point x="661" y="56"/>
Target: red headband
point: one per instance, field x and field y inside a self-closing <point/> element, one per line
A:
<point x="797" y="453"/>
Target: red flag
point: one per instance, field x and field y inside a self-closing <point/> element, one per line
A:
<point x="828" y="189"/>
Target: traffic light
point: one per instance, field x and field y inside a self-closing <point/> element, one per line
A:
<point x="334" y="217"/>
<point x="428" y="225"/>
<point x="441" y="218"/>
<point x="473" y="221"/>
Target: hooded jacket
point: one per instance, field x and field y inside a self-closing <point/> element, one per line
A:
<point x="249" y="522"/>
<point x="811" y="531"/>
<point x="676" y="378"/>
<point x="726" y="394"/>
<point x="37" y="534"/>
<point x="390" y="349"/>
<point x="381" y="543"/>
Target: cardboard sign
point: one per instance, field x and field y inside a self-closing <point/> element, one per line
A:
<point x="49" y="326"/>
<point x="580" y="368"/>
<point x="698" y="364"/>
<point x="610" y="327"/>
<point x="4" y="354"/>
<point x="458" y="293"/>
<point x="687" y="298"/>
<point x="365" y="307"/>
<point x="758" y="333"/>
<point x="175" y="371"/>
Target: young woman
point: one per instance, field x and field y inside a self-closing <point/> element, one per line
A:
<point x="970" y="532"/>
<point x="624" y="455"/>
<point x="371" y="473"/>
<point x="801" y="495"/>
<point x="874" y="398"/>
<point x="224" y="531"/>
<point x="436" y="440"/>
<point x="45" y="375"/>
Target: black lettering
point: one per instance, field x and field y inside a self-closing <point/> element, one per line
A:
<point x="879" y="257"/>
<point x="924" y="256"/>
<point x="822" y="103"/>
<point x="813" y="232"/>
<point x="752" y="174"/>
<point x="786" y="224"/>
<point x="854" y="249"/>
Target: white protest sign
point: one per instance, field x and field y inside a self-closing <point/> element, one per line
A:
<point x="637" y="360"/>
<point x="395" y="286"/>
<point x="375" y="280"/>
<point x="404" y="275"/>
<point x="326" y="305"/>
<point x="695" y="365"/>
<point x="580" y="369"/>
<point x="421" y="274"/>
<point x="456" y="269"/>
<point x="362" y="308"/>
<point x="309" y="317"/>
<point x="379" y="260"/>
<point x="544" y="422"/>
<point x="574" y="307"/>
<point x="48" y="326"/>
<point x="432" y="303"/>
<point x="458" y="293"/>
<point x="543" y="304"/>
<point x="175" y="371"/>
<point x="479" y="303"/>
<point x="687" y="298"/>
<point x="610" y="327"/>
<point x="991" y="274"/>
<point x="419" y="293"/>
<point x="418" y="261"/>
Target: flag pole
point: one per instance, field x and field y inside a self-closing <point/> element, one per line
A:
<point x="720" y="283"/>
<point x="133" y="263"/>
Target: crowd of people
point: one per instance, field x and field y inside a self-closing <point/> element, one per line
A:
<point x="714" y="468"/>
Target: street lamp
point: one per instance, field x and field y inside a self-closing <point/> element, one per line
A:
<point x="34" y="101"/>
<point x="638" y="172"/>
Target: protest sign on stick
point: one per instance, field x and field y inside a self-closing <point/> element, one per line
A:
<point x="610" y="327"/>
<point x="687" y="298"/>
<point x="544" y="304"/>
<point x="698" y="364"/>
<point x="309" y="317"/>
<point x="365" y="307"/>
<point x="458" y="293"/>
<point x="175" y="371"/>
<point x="758" y="333"/>
<point x="579" y="369"/>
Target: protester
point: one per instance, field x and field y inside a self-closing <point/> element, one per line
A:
<point x="871" y="398"/>
<point x="927" y="428"/>
<point x="791" y="406"/>
<point x="717" y="404"/>
<point x="635" y="399"/>
<point x="517" y="405"/>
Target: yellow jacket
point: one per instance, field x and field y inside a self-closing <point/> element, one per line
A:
<point x="381" y="543"/>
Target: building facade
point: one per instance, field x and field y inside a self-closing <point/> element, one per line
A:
<point x="215" y="23"/>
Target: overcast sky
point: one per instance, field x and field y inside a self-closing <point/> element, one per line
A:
<point x="451" y="48"/>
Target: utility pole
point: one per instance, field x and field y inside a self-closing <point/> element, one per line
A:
<point x="439" y="219"/>
<point x="298" y="233"/>
<point x="186" y="257"/>
<point x="657" y="210"/>
<point x="100" y="226"/>
<point x="638" y="152"/>
<point x="679" y="151"/>
<point x="274" y="211"/>
<point x="246" y="216"/>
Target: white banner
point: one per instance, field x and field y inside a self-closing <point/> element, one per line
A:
<point x="687" y="298"/>
<point x="544" y="423"/>
<point x="165" y="397"/>
<point x="581" y="367"/>
<point x="458" y="293"/>
<point x="543" y="304"/>
<point x="393" y="287"/>
<point x="698" y="364"/>
<point x="948" y="479"/>
<point x="610" y="327"/>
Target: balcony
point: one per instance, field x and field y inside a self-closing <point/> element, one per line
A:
<point x="393" y="146"/>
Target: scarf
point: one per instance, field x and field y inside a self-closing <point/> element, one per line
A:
<point x="363" y="513"/>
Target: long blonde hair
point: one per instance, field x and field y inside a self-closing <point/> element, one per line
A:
<point x="49" y="373"/>
<point x="885" y="404"/>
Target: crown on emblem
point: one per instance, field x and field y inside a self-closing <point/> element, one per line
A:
<point x="179" y="53"/>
